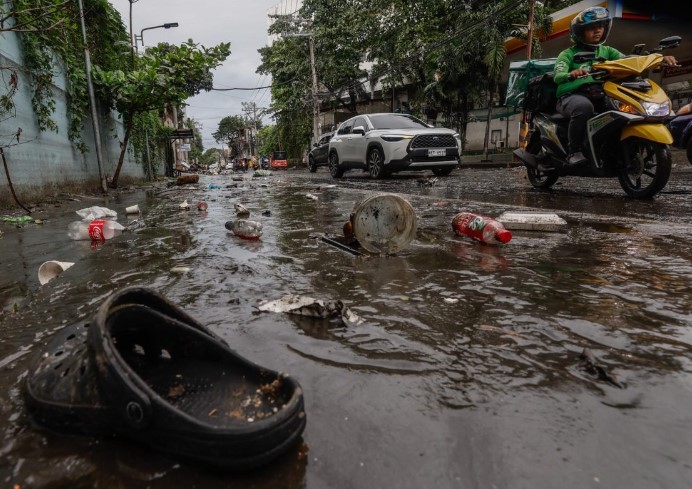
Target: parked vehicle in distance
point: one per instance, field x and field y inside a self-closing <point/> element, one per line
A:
<point x="278" y="160"/>
<point x="681" y="129"/>
<point x="385" y="143"/>
<point x="319" y="155"/>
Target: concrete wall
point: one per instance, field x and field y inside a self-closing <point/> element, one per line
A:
<point x="49" y="158"/>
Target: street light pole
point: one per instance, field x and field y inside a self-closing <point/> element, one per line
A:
<point x="167" y="25"/>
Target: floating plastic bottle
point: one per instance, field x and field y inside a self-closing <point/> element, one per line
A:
<point x="481" y="228"/>
<point x="96" y="230"/>
<point x="244" y="228"/>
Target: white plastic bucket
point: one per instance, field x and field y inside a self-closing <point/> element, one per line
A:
<point x="384" y="223"/>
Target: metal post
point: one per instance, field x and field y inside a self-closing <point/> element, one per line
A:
<point x="529" y="33"/>
<point x="146" y="141"/>
<point x="315" y="102"/>
<point x="92" y="99"/>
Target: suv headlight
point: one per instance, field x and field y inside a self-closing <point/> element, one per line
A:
<point x="393" y="138"/>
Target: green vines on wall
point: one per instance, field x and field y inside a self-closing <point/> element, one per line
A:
<point x="52" y="41"/>
<point x="149" y="138"/>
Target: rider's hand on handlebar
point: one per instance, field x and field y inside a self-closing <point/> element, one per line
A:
<point x="670" y="61"/>
<point x="574" y="74"/>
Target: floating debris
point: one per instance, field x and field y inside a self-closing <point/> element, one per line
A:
<point x="533" y="221"/>
<point x="590" y="366"/>
<point x="307" y="306"/>
<point x="241" y="210"/>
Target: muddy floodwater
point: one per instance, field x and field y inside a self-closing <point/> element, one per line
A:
<point x="467" y="370"/>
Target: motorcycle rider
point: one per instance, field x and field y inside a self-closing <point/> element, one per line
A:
<point x="578" y="98"/>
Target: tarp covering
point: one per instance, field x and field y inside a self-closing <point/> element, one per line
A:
<point x="520" y="72"/>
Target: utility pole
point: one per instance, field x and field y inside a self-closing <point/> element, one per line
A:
<point x="311" y="41"/>
<point x="315" y="100"/>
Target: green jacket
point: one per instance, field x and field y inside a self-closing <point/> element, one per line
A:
<point x="565" y="63"/>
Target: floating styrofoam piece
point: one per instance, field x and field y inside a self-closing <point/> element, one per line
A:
<point x="533" y="221"/>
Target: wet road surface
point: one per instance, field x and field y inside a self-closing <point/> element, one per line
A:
<point x="467" y="370"/>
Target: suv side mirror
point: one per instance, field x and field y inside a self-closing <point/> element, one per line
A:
<point x="359" y="130"/>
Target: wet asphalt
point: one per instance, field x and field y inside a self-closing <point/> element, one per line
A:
<point x="559" y="359"/>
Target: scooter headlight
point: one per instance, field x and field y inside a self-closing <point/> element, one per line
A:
<point x="656" y="110"/>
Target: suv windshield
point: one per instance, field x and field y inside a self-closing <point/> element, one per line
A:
<point x="396" y="121"/>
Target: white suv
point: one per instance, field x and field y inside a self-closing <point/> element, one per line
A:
<point x="386" y="143"/>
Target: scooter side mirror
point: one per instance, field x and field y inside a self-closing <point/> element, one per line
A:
<point x="637" y="49"/>
<point x="670" y="42"/>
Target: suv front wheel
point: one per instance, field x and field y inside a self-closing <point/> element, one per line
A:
<point x="334" y="169"/>
<point x="311" y="165"/>
<point x="376" y="163"/>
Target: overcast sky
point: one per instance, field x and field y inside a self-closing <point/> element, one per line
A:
<point x="243" y="23"/>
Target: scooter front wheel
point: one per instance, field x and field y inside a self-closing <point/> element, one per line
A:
<point x="646" y="168"/>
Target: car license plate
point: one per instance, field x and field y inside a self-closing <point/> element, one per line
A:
<point x="437" y="152"/>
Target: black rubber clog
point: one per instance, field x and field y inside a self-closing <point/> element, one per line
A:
<point x="145" y="370"/>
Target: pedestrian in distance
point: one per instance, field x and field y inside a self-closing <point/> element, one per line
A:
<point x="579" y="94"/>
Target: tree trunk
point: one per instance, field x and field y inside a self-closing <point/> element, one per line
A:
<point x="487" y="123"/>
<point x="123" y="150"/>
<point x="9" y="181"/>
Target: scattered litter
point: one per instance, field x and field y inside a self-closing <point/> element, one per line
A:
<point x="267" y="213"/>
<point x="384" y="223"/>
<point x="589" y="365"/>
<point x="184" y="206"/>
<point x="427" y="182"/>
<point x="96" y="230"/>
<point x="497" y="329"/>
<point x="16" y="219"/>
<point x="481" y="228"/>
<point x="450" y="300"/>
<point x="187" y="179"/>
<point x="96" y="212"/>
<point x="241" y="210"/>
<point x="262" y="173"/>
<point x="237" y="179"/>
<point x="311" y="196"/>
<point x="51" y="269"/>
<point x="440" y="204"/>
<point x="245" y="229"/>
<point x="307" y="306"/>
<point x="533" y="221"/>
<point x="212" y="186"/>
<point x="202" y="205"/>
<point x="133" y="209"/>
<point x="330" y="186"/>
<point x="341" y="246"/>
<point x="180" y="269"/>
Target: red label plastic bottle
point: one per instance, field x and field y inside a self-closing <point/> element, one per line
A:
<point x="481" y="228"/>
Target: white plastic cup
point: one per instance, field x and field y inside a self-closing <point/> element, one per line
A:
<point x="133" y="209"/>
<point x="51" y="269"/>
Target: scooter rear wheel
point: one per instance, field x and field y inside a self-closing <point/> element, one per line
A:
<point x="647" y="168"/>
<point x="540" y="179"/>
